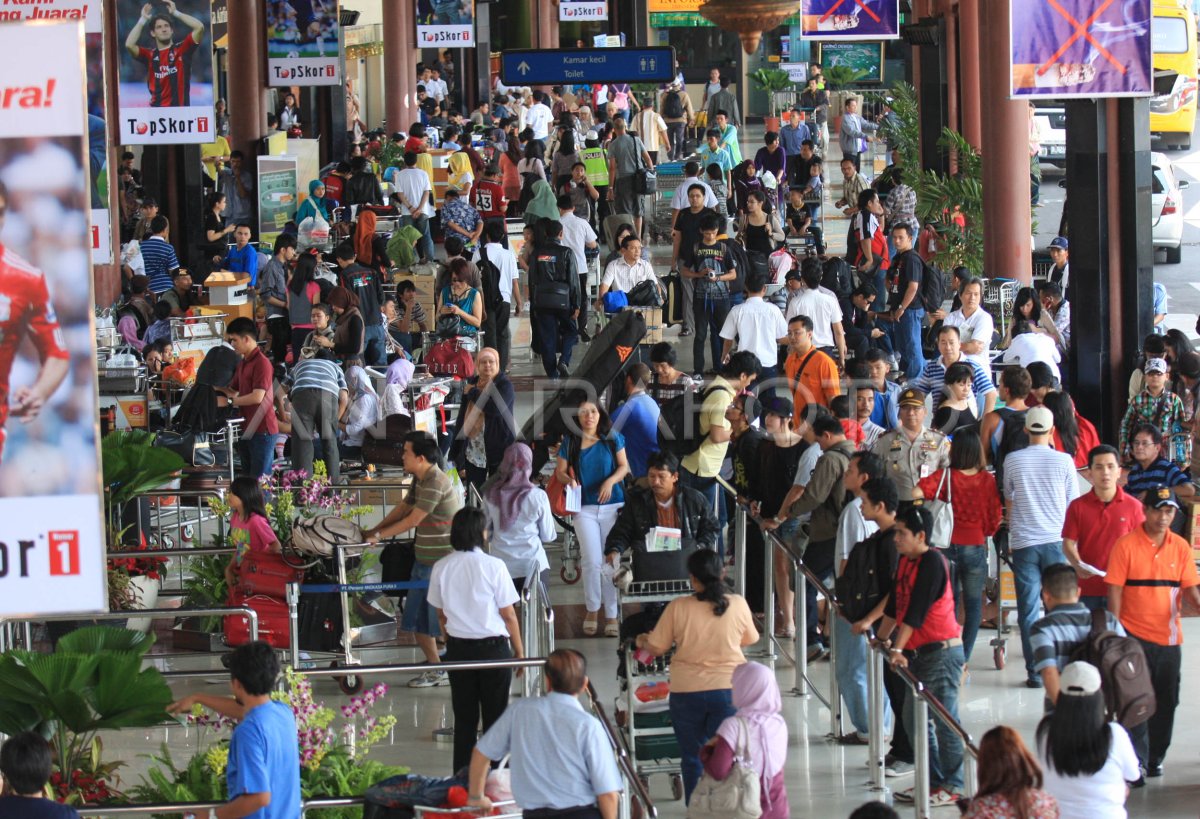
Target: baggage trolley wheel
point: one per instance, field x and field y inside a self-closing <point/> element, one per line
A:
<point x="569" y="573"/>
<point x="350" y="684"/>
<point x="999" y="653"/>
<point x="677" y="787"/>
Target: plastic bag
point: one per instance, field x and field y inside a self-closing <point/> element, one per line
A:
<point x="313" y="231"/>
<point x="181" y="373"/>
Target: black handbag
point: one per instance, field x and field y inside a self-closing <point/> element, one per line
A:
<point x="645" y="182"/>
<point x="647" y="293"/>
<point x="191" y="446"/>
<point x="552" y="295"/>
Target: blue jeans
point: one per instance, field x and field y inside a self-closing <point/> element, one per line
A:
<point x="375" y="352"/>
<point x="425" y="243"/>
<point x="1028" y="564"/>
<point x="258" y="454"/>
<point x="905" y="335"/>
<point x="851" y="661"/>
<point x="710" y="312"/>
<point x="709" y="488"/>
<point x="969" y="570"/>
<point x="419" y="617"/>
<point x="941" y="672"/>
<point x="696" y="716"/>
<point x="558" y="334"/>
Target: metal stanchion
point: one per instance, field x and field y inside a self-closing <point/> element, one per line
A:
<point x="801" y="633"/>
<point x="921" y="754"/>
<point x="293" y="603"/>
<point x="739" y="550"/>
<point x="835" y="694"/>
<point x="970" y="775"/>
<point x="767" y="652"/>
<point x="875" y="700"/>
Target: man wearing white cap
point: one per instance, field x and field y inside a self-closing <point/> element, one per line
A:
<point x="1039" y="485"/>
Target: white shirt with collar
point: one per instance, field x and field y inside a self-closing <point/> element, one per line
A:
<point x="506" y="262"/>
<point x="757" y="326"/>
<point x="621" y="276"/>
<point x="978" y="327"/>
<point x="520" y="546"/>
<point x="680" y="200"/>
<point x="538" y="118"/>
<point x="822" y="307"/>
<point x="1029" y="347"/>
<point x="470" y="588"/>
<point x="576" y="233"/>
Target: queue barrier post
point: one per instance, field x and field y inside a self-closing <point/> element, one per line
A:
<point x="767" y="652"/>
<point x="739" y="550"/>
<point x="801" y="607"/>
<point x="920" y="740"/>
<point x="835" y="694"/>
<point x="875" y="713"/>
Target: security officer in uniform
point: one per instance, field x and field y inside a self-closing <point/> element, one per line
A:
<point x="911" y="452"/>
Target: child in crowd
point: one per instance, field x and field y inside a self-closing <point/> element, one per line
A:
<point x="249" y="529"/>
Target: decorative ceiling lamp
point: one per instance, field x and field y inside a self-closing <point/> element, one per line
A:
<point x="749" y="18"/>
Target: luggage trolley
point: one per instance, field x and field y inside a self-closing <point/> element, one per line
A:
<point x="1000" y="588"/>
<point x="670" y="177"/>
<point x="998" y="298"/>
<point x="647" y="724"/>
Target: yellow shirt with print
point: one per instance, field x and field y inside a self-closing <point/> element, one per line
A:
<point x="706" y="461"/>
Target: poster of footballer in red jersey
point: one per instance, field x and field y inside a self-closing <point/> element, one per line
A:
<point x="52" y="555"/>
<point x="166" y="75"/>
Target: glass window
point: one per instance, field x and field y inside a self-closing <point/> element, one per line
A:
<point x="1168" y="35"/>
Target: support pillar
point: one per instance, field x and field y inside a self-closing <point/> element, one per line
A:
<point x="247" y="76"/>
<point x="1007" y="245"/>
<point x="1108" y="198"/>
<point x="399" y="67"/>
<point x="546" y="15"/>
<point x="969" y="85"/>
<point x="931" y="91"/>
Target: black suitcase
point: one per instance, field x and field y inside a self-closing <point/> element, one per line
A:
<point x="661" y="565"/>
<point x="319" y="621"/>
<point x="389" y="450"/>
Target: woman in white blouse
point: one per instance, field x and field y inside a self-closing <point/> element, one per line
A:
<point x="519" y="518"/>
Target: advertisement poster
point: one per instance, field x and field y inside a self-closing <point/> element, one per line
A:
<point x="864" y="57"/>
<point x="850" y="19"/>
<point x="51" y="539"/>
<point x="166" y="76"/>
<point x="1080" y="48"/>
<point x="574" y="11"/>
<point x="302" y="43"/>
<point x="277" y="200"/>
<point x="446" y="23"/>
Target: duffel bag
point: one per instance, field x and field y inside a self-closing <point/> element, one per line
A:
<point x="274" y="624"/>
<point x="319" y="621"/>
<point x="318" y="536"/>
<point x="266" y="573"/>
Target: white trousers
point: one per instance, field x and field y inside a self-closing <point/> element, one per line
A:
<point x="592" y="525"/>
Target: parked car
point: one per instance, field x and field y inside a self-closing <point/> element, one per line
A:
<point x="1166" y="207"/>
<point x="1052" y="135"/>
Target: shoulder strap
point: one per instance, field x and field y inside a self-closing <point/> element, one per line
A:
<point x="804" y="364"/>
<point x="1099" y="622"/>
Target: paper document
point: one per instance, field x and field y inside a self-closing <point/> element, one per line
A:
<point x="1092" y="569"/>
<point x="664" y="539"/>
<point x="574" y="498"/>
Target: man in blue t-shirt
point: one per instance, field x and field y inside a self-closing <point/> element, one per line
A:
<point x="637" y="420"/>
<point x="263" y="776"/>
<point x="242" y="257"/>
<point x="26" y="765"/>
<point x="1150" y="468"/>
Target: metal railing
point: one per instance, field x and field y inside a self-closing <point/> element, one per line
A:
<point x="924" y="701"/>
<point x="537" y="626"/>
<point x="636" y="787"/>
<point x="7" y="641"/>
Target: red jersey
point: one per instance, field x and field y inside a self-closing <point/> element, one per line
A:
<point x="938" y="622"/>
<point x="1095" y="526"/>
<point x="168" y="73"/>
<point x="335" y="187"/>
<point x="488" y="198"/>
<point x="25" y="310"/>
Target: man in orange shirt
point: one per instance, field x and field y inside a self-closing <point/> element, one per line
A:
<point x="1149" y="571"/>
<point x="812" y="375"/>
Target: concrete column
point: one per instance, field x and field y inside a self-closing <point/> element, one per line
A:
<point x="546" y="15"/>
<point x="968" y="66"/>
<point x="247" y="75"/>
<point x="399" y="64"/>
<point x="1007" y="216"/>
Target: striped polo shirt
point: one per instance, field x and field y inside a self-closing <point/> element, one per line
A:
<point x="160" y="259"/>
<point x="1057" y="635"/>
<point x="1039" y="484"/>
<point x="318" y="374"/>
<point x="1153" y="578"/>
<point x="932" y="381"/>
<point x="1160" y="473"/>
<point x="436" y="496"/>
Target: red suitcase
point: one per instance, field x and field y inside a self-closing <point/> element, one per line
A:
<point x="266" y="573"/>
<point x="274" y="624"/>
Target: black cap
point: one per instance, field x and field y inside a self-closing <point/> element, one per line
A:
<point x="1158" y="496"/>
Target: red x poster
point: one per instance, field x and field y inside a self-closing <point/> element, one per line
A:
<point x="1081" y="48"/>
<point x="851" y="19"/>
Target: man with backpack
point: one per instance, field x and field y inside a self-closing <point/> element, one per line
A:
<point x="677" y="113"/>
<point x="1149" y="570"/>
<point x="907" y="307"/>
<point x="1003" y="429"/>
<point x="501" y="289"/>
<point x="554" y="295"/>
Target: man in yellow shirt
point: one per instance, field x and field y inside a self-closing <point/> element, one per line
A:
<point x="213" y="157"/>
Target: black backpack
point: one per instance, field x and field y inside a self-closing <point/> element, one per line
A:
<point x="679" y="421"/>
<point x="836" y="276"/>
<point x="867" y="577"/>
<point x="489" y="275"/>
<point x="1013" y="437"/>
<point x="672" y="106"/>
<point x="1125" y="678"/>
<point x="933" y="287"/>
<point x="741" y="263"/>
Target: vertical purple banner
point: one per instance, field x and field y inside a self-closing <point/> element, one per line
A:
<point x="1080" y="48"/>
<point x="851" y="19"/>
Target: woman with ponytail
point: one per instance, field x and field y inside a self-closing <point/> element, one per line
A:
<point x="708" y="630"/>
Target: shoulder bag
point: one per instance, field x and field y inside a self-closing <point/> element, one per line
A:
<point x="645" y="183"/>
<point x="942" y="512"/>
<point x="737" y="796"/>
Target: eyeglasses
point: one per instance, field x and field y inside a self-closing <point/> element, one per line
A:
<point x="1144" y="445"/>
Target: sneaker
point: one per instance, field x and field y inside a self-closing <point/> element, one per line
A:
<point x="563" y="370"/>
<point x="942" y="798"/>
<point x="1033" y="682"/>
<point x="853" y="738"/>
<point x="817" y="652"/>
<point x="907" y="797"/>
<point x="897" y="768"/>
<point x="430" y="679"/>
<point x="686" y="331"/>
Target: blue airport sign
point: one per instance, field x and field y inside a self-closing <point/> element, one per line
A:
<point x="576" y="66"/>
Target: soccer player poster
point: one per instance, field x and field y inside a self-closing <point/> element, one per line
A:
<point x="52" y="556"/>
<point x="850" y="19"/>
<point x="302" y="43"/>
<point x="446" y="23"/>
<point x="166" y="76"/>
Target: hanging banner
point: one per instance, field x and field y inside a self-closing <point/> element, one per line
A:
<point x="52" y="556"/>
<point x="574" y="11"/>
<point x="277" y="200"/>
<point x="446" y="23"/>
<point x="1080" y="48"/>
<point x="166" y="89"/>
<point x="669" y="6"/>
<point x="850" y="19"/>
<point x="302" y="43"/>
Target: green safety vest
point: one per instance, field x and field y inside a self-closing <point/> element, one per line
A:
<point x="595" y="164"/>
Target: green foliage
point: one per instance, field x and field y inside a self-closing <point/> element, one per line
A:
<point x="341" y="774"/>
<point x="94" y="681"/>
<point x="206" y="588"/>
<point x="905" y="134"/>
<point x="201" y="780"/>
<point x="132" y="465"/>
<point x="771" y="79"/>
<point x="840" y="76"/>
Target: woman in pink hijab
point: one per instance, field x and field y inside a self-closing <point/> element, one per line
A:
<point x="519" y="517"/>
<point x="758" y="727"/>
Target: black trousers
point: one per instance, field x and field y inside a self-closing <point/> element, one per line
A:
<point x="1152" y="738"/>
<point x="896" y="688"/>
<point x="281" y="333"/>
<point x="496" y="333"/>
<point x="476" y="696"/>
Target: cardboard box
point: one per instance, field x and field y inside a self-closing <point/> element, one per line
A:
<point x="225" y="288"/>
<point x="654" y="323"/>
<point x="233" y="311"/>
<point x="424" y="285"/>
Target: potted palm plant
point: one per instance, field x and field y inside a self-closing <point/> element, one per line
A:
<point x="772" y="81"/>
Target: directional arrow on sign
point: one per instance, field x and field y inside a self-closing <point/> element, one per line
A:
<point x="523" y="67"/>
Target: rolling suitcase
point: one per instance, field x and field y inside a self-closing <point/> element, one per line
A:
<point x="274" y="624"/>
<point x="266" y="573"/>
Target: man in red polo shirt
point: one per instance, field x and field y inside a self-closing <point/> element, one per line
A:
<point x="1151" y="573"/>
<point x="252" y="391"/>
<point x="1095" y="521"/>
<point x="928" y="641"/>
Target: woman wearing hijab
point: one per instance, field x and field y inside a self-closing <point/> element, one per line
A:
<point x="362" y="415"/>
<point x="542" y="205"/>
<point x="760" y="730"/>
<point x="510" y="176"/>
<point x="519" y="517"/>
<point x="364" y="237"/>
<point x="350" y="335"/>
<point x="399" y="373"/>
<point x="485" y="425"/>
<point x="314" y="205"/>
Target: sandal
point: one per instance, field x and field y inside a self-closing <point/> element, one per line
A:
<point x="612" y="627"/>
<point x="786" y="633"/>
<point x="590" y="622"/>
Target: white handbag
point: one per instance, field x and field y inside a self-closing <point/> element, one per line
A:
<point x="943" y="513"/>
<point x="737" y="796"/>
